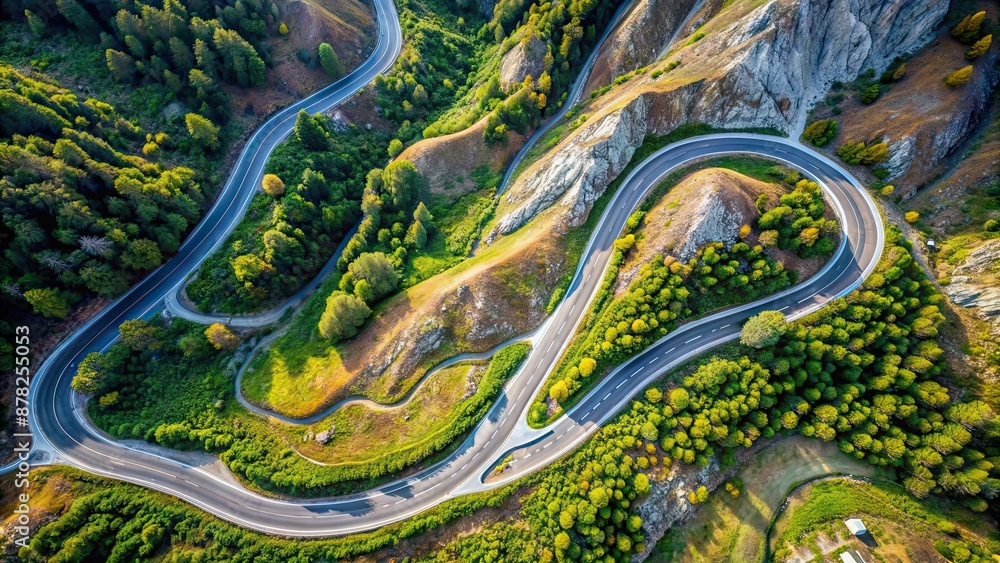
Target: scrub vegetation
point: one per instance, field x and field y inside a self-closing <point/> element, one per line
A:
<point x="834" y="375"/>
<point x="667" y="291"/>
<point x="172" y="385"/>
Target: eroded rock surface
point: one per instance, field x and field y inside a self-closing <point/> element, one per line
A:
<point x="973" y="284"/>
<point x="525" y="58"/>
<point x="759" y="69"/>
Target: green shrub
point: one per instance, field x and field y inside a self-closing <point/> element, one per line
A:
<point x="330" y="62"/>
<point x="856" y="152"/>
<point x="870" y="94"/>
<point x="821" y="132"/>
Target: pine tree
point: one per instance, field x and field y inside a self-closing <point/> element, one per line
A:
<point x="121" y="65"/>
<point x="202" y="130"/>
<point x="309" y="132"/>
<point x="181" y="55"/>
<point x="256" y="65"/>
<point x="424" y="216"/>
<point x="330" y="61"/>
<point x="79" y="17"/>
<point x="36" y="23"/>
<point x="48" y="302"/>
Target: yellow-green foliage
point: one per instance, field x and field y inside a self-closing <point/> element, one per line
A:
<point x="856" y="152"/>
<point x="84" y="208"/>
<point x="968" y="29"/>
<point x="959" y="77"/>
<point x="979" y="48"/>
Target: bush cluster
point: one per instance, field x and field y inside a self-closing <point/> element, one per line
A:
<point x="821" y="132"/>
<point x="292" y="229"/>
<point x="665" y="292"/>
<point x="862" y="371"/>
<point x="857" y="152"/>
<point x="797" y="223"/>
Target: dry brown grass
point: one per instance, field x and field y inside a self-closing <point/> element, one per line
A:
<point x="363" y="433"/>
<point x="347" y="25"/>
<point x="920" y="106"/>
<point x="446" y="161"/>
<point x="504" y="290"/>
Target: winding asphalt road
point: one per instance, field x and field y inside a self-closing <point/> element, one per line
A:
<point x="62" y="433"/>
<point x="176" y="307"/>
<point x="59" y="421"/>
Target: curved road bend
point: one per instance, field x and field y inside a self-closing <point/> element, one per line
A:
<point x="230" y="206"/>
<point x="177" y="308"/>
<point x="66" y="431"/>
<point x="576" y="90"/>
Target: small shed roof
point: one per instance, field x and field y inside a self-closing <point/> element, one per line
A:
<point x="856" y="526"/>
<point x="846" y="557"/>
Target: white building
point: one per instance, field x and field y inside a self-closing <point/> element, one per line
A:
<point x="856" y="526"/>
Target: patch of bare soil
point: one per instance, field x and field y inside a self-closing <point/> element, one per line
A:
<point x="472" y="307"/>
<point x="923" y="117"/>
<point x="443" y="159"/>
<point x="361" y="110"/>
<point x="347" y="25"/>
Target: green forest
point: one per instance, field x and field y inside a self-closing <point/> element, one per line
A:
<point x="667" y="291"/>
<point x="84" y="211"/>
<point x="93" y="194"/>
<point x="311" y="198"/>
<point x="863" y="372"/>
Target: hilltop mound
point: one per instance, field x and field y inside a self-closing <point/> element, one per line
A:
<point x="440" y="158"/>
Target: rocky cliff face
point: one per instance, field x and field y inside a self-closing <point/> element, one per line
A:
<point x="640" y="38"/>
<point x="592" y="158"/>
<point x="755" y="67"/>
<point x="525" y="58"/>
<point x="973" y="284"/>
<point x="923" y="120"/>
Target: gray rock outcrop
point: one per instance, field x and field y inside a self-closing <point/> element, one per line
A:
<point x="576" y="175"/>
<point x="525" y="58"/>
<point x="762" y="70"/>
<point x="640" y="39"/>
<point x="969" y="286"/>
